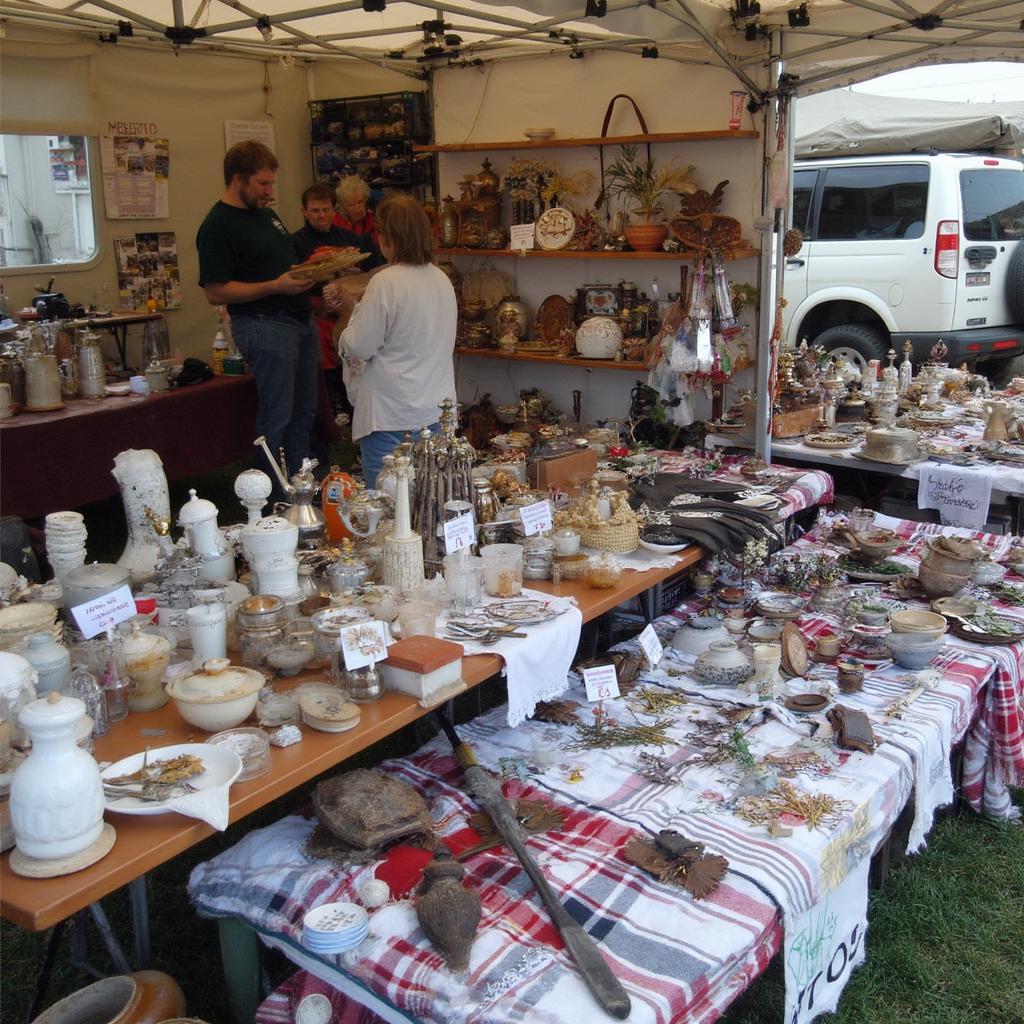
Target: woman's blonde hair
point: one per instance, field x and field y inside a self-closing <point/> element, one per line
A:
<point x="352" y="187"/>
<point x="404" y="224"/>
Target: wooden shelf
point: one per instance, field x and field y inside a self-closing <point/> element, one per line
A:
<point x="529" y="357"/>
<point x="556" y="143"/>
<point x="742" y="253"/>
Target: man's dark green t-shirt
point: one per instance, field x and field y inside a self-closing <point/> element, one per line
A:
<point x="239" y="244"/>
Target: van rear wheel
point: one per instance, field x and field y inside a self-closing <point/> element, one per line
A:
<point x="857" y="343"/>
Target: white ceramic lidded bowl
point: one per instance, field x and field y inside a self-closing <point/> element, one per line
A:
<point x="220" y="696"/>
<point x="697" y="634"/>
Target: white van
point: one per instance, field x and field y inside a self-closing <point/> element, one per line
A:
<point x="920" y="247"/>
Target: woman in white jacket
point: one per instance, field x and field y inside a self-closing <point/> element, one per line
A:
<point x="399" y="343"/>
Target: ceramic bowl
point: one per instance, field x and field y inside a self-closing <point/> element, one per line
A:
<point x="506" y="413"/>
<point x="936" y="583"/>
<point x="699" y="632"/>
<point x="218" y="697"/>
<point x="780" y="606"/>
<point x="764" y="631"/>
<point x="913" y="654"/>
<point x="539" y="134"/>
<point x="915" y="621"/>
<point x="964" y="607"/>
<point x="988" y="573"/>
<point x="723" y="664"/>
<point x="956" y="561"/>
<point x="291" y="658"/>
<point x="736" y="626"/>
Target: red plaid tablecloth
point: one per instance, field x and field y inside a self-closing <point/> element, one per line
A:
<point x="807" y="488"/>
<point x="994" y="752"/>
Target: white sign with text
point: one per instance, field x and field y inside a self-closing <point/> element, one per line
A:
<point x="650" y="645"/>
<point x="521" y="236"/>
<point x="364" y="643"/>
<point x="960" y="494"/>
<point x="459" y="533"/>
<point x="93" y="617"/>
<point x="602" y="683"/>
<point x="536" y="517"/>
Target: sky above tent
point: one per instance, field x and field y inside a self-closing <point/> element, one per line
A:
<point x="981" y="82"/>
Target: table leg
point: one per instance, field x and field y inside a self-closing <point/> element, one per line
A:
<point x="99" y="919"/>
<point x="140" y="921"/>
<point x="45" y="970"/>
<point x="240" y="954"/>
<point x="647" y="605"/>
<point x="121" y="340"/>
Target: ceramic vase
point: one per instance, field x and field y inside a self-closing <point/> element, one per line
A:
<point x="50" y="659"/>
<point x="145" y="657"/>
<point x="140" y="475"/>
<point x="723" y="664"/>
<point x="145" y="997"/>
<point x="448" y="912"/>
<point x="56" y="793"/>
<point x="403" y="549"/>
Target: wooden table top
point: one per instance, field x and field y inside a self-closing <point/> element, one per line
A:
<point x="145" y="842"/>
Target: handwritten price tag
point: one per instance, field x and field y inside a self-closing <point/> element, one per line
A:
<point x="521" y="236"/>
<point x="651" y="645"/>
<point x="95" y="616"/>
<point x="536" y="517"/>
<point x="601" y="682"/>
<point x="364" y="643"/>
<point x="459" y="533"/>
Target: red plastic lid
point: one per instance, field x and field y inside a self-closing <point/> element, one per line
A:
<point x="145" y="605"/>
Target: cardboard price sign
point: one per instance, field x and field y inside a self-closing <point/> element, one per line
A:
<point x="102" y="613"/>
<point x="602" y="683"/>
<point x="459" y="533"/>
<point x="651" y="645"/>
<point x="522" y="236"/>
<point x="536" y="517"/>
<point x="364" y="643"/>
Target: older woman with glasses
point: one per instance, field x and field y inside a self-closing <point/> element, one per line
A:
<point x="354" y="212"/>
<point x="399" y="343"/>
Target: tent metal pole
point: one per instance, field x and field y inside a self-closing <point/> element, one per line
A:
<point x="771" y="242"/>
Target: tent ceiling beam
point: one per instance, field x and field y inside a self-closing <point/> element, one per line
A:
<point x="690" y="20"/>
<point x="132" y="16"/>
<point x="198" y="13"/>
<point x="278" y="19"/>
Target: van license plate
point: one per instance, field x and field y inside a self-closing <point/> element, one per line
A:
<point x="976" y="279"/>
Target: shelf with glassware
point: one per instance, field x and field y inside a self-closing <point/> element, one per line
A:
<point x="572" y="143"/>
<point x="744" y="252"/>
<point x="554" y="360"/>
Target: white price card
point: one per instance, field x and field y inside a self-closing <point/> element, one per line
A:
<point x="602" y="683"/>
<point x="522" y="236"/>
<point x="536" y="517"/>
<point x="364" y="643"/>
<point x="459" y="533"/>
<point x="102" y="613"/>
<point x="650" y="645"/>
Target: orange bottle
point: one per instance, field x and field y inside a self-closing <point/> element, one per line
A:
<point x="335" y="491"/>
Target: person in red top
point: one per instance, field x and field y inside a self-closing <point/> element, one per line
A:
<point x="354" y="213"/>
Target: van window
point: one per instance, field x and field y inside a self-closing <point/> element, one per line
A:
<point x="803" y="192"/>
<point x="883" y="201"/>
<point x="993" y="204"/>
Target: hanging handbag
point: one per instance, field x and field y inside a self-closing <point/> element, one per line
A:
<point x="604" y="134"/>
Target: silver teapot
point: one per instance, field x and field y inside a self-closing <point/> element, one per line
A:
<point x="300" y="510"/>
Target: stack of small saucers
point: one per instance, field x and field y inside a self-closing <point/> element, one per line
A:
<point x="334" y="928"/>
<point x="65" y="541"/>
<point x="19" y="621"/>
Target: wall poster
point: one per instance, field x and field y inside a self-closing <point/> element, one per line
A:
<point x="147" y="267"/>
<point x="136" y="166"/>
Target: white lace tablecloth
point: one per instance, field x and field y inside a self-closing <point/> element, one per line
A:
<point x="535" y="665"/>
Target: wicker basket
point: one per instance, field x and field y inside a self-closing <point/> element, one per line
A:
<point x="619" y="538"/>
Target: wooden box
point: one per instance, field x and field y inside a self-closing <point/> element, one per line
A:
<point x="547" y="473"/>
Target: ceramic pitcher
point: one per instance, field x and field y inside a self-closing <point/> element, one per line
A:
<point x="996" y="427"/>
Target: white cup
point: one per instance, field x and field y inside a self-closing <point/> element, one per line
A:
<point x="208" y="631"/>
<point x="139" y="385"/>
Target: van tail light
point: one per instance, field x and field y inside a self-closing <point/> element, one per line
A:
<point x="947" y="248"/>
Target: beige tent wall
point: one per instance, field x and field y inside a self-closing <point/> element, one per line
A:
<point x="79" y="87"/>
<point x="496" y="102"/>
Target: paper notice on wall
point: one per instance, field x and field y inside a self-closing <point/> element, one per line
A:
<point x="961" y="494"/>
<point x="248" y="131"/>
<point x="135" y="173"/>
<point x="824" y="945"/>
<point x="147" y="267"/>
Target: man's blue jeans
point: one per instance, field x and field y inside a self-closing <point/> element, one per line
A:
<point x="283" y="355"/>
<point x="373" y="447"/>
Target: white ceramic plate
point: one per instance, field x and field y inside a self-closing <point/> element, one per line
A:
<point x="118" y="390"/>
<point x="223" y="766"/>
<point x="764" y="502"/>
<point x="663" y="549"/>
<point x="555" y="228"/>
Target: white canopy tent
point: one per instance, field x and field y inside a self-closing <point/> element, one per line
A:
<point x="823" y="42"/>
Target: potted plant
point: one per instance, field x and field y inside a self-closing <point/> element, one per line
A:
<point x="641" y="181"/>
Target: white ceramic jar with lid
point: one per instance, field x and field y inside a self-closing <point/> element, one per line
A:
<point x="50" y="659"/>
<point x="56" y="792"/>
<point x="88" y="582"/>
<point x="198" y="517"/>
<point x="145" y="655"/>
